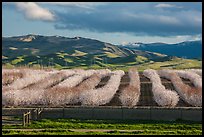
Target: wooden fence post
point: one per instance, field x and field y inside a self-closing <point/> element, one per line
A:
<point x="23" y="119"/>
<point x="26" y="118"/>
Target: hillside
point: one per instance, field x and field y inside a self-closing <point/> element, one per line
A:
<point x="64" y="52"/>
<point x="77" y="51"/>
<point x="187" y="49"/>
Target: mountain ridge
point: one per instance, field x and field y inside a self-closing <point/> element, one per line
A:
<point x="186" y="49"/>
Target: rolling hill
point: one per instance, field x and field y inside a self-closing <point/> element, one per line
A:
<point x="64" y="52"/>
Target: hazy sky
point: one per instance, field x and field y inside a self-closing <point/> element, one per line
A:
<point x="114" y="22"/>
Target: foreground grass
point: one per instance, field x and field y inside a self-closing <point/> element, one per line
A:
<point x="67" y="126"/>
<point x="115" y="132"/>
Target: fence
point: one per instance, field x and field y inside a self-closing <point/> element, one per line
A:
<point x="18" y="116"/>
<point x="124" y="113"/>
<point x="36" y="113"/>
<point x="118" y="113"/>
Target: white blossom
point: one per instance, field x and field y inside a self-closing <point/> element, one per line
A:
<point x="162" y="96"/>
<point x="129" y="96"/>
<point x="191" y="95"/>
<point x="104" y="94"/>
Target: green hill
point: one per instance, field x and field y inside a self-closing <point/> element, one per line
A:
<point x="64" y="52"/>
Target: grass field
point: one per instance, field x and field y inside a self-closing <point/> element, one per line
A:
<point x="173" y="64"/>
<point x="79" y="60"/>
<point x="104" y="127"/>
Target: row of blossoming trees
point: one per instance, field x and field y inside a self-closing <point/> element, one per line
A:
<point x="27" y="87"/>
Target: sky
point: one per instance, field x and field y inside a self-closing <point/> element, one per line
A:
<point x="112" y="22"/>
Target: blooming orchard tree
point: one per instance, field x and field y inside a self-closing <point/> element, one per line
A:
<point x="197" y="71"/>
<point x="9" y="76"/>
<point x="129" y="96"/>
<point x="162" y="96"/>
<point x="61" y="95"/>
<point x="29" y="87"/>
<point x="104" y="94"/>
<point x="191" y="95"/>
<point x="193" y="77"/>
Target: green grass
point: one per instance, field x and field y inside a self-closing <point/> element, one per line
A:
<point x="79" y="53"/>
<point x="176" y="63"/>
<point x="143" y="127"/>
<point x="111" y="55"/>
<point x="57" y="66"/>
<point x="30" y="63"/>
<point x="96" y="57"/>
<point x="115" y="132"/>
<point x="68" y="60"/>
<point x="141" y="63"/>
<point x="8" y="66"/>
<point x="16" y="61"/>
<point x="61" y="54"/>
<point x="141" y="59"/>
